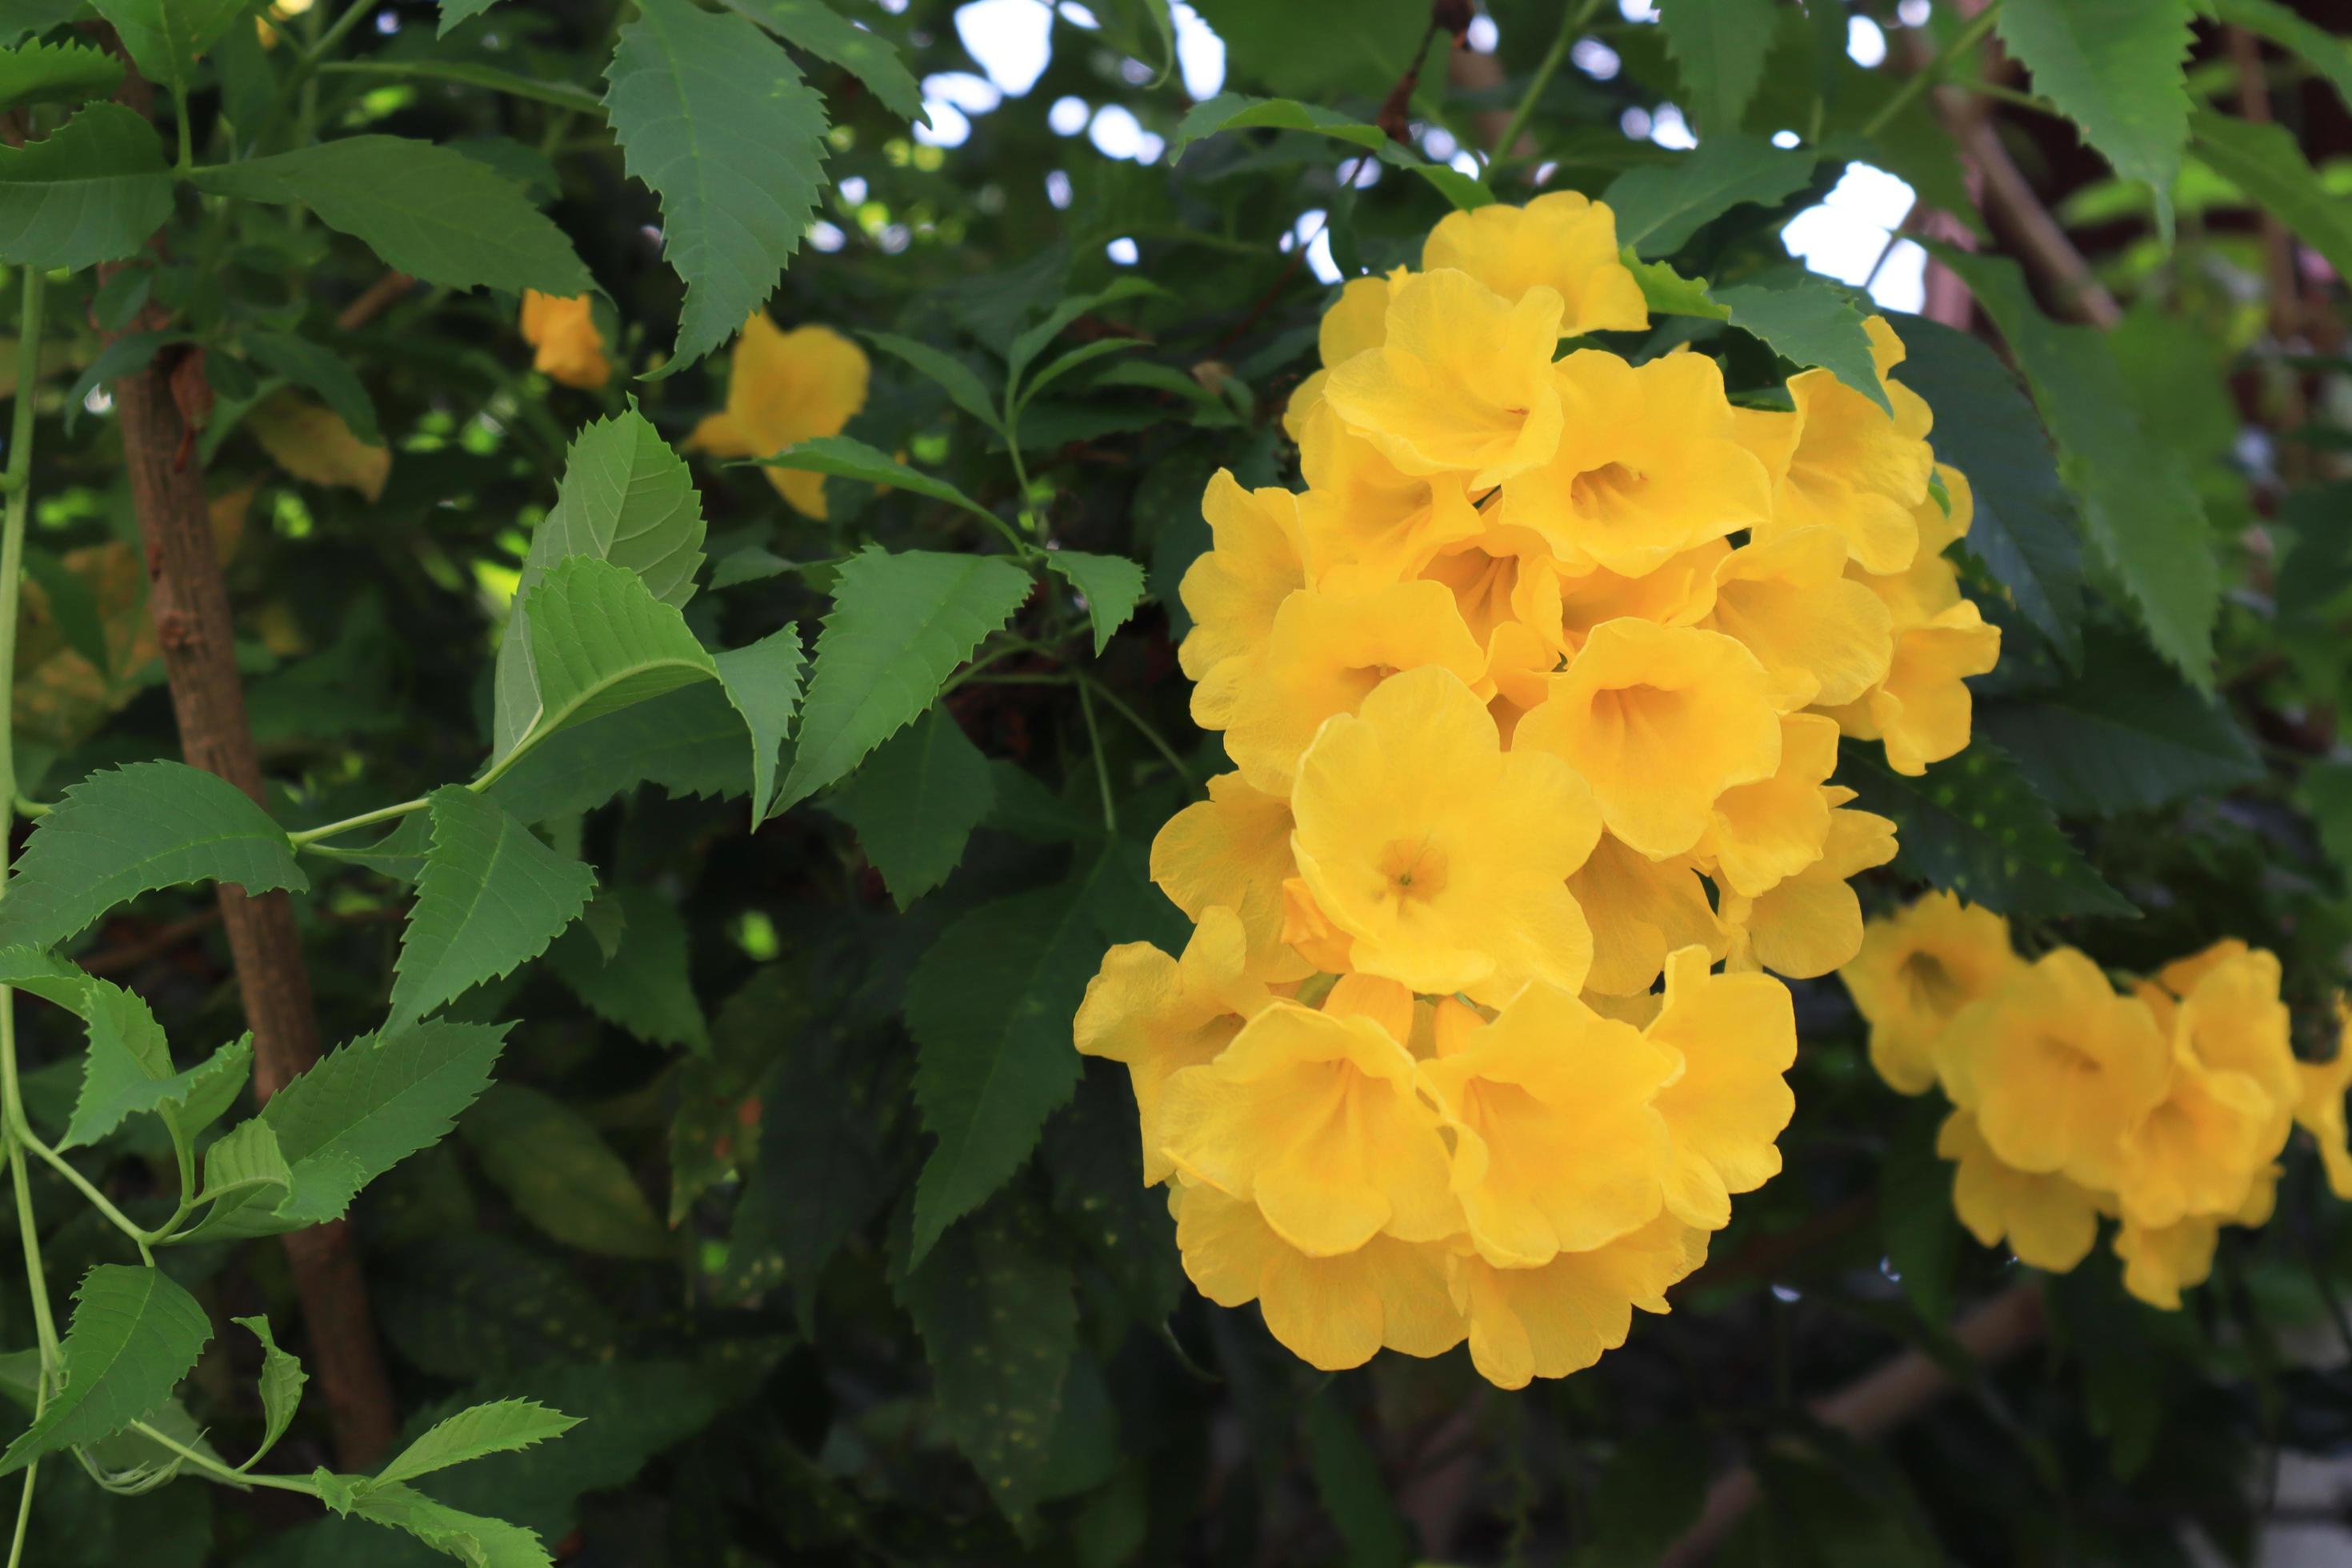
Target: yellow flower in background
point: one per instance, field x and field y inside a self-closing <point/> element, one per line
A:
<point x="570" y="351"/>
<point x="1914" y="973"/>
<point x="1659" y="720"/>
<point x="1233" y="850"/>
<point x="1525" y="1324"/>
<point x="1558" y="1147"/>
<point x="2048" y="1221"/>
<point x="1647" y="466"/>
<point x="1650" y="907"/>
<point x="1462" y="380"/>
<point x="1849" y="467"/>
<point x="2197" y="1152"/>
<point x="1324" y="656"/>
<point x="2230" y="1019"/>
<point x="784" y="388"/>
<point x="1563" y="241"/>
<point x="1160" y="1015"/>
<point x="2319" y="1108"/>
<point x="1736" y="1035"/>
<point x="1233" y="590"/>
<point x="1317" y="1119"/>
<point x="1820" y="637"/>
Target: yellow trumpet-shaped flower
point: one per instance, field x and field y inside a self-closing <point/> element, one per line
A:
<point x="1160" y="1015"/>
<point x="1563" y="241"/>
<point x="1317" y="1120"/>
<point x="1233" y="590"/>
<point x="1233" y="849"/>
<point x="1462" y="380"/>
<point x="1659" y="720"/>
<point x="1848" y="466"/>
<point x="1678" y="592"/>
<point x="570" y="351"/>
<point x="1921" y="709"/>
<point x="1503" y="577"/>
<point x="1442" y="857"/>
<point x="1332" y="1312"/>
<point x="2197" y="1150"/>
<point x="1648" y="465"/>
<point x="1759" y="835"/>
<point x="2048" y="1221"/>
<point x="784" y="388"/>
<point x="2319" y="1107"/>
<point x="1915" y="970"/>
<point x="1323" y="656"/>
<point x="2231" y="1020"/>
<point x="1557" y="1147"/>
<point x="2057" y="1068"/>
<point x="1820" y="637"/>
<point x="1640" y="909"/>
<point x="1811" y="924"/>
<point x="1363" y="515"/>
<point x="1357" y="320"/>
<point x="2162" y="1261"/>
<point x="1549" y="1322"/>
<point x="1736" y="1035"/>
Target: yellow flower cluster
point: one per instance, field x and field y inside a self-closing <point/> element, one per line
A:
<point x="2165" y="1108"/>
<point x="569" y="349"/>
<point x="1547" y="644"/>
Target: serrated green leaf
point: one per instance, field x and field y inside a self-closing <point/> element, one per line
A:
<point x="763" y="682"/>
<point x="647" y="986"/>
<point x="128" y="1070"/>
<point x="425" y="210"/>
<point x="1315" y="49"/>
<point x="690" y="741"/>
<point x="491" y="895"/>
<point x="1720" y="46"/>
<point x="823" y="32"/>
<point x="2115" y="69"/>
<point x="47" y="976"/>
<point x="167" y="38"/>
<point x="1810" y="320"/>
<point x="125" y="832"/>
<point x="1975" y="826"/>
<point x="243" y="1167"/>
<point x="2137" y="501"/>
<point x="1668" y="292"/>
<point x="493" y="1428"/>
<point x="900" y="623"/>
<point x="282" y="1379"/>
<point x="306" y="364"/>
<point x="997" y="1312"/>
<point x="2024" y="531"/>
<point x="1112" y="585"/>
<point x="846" y="457"/>
<point x="55" y="73"/>
<point x="715" y="119"/>
<point x="134" y="1335"/>
<point x="21" y="18"/>
<point x="93" y="190"/>
<point x="475" y="1540"/>
<point x="915" y="802"/>
<point x="1660" y="206"/>
<point x="1030" y="342"/>
<point x="453" y="12"/>
<point x="957" y="380"/>
<point x="1239" y="111"/>
<point x="560" y="1174"/>
<point x="2265" y="161"/>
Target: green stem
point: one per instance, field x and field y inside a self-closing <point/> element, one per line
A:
<point x="98" y="1200"/>
<point x="23" y="1512"/>
<point x="1102" y="768"/>
<point x="187" y="132"/>
<point x="1570" y="25"/>
<point x="365" y="819"/>
<point x="1920" y="81"/>
<point x="221" y="1472"/>
<point x="1143" y="727"/>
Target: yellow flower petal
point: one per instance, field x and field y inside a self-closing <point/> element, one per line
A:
<point x="1811" y="924"/>
<point x="1678" y="592"/>
<point x="1852" y="468"/>
<point x="1923" y="710"/>
<point x="1233" y="849"/>
<point x="1562" y="241"/>
<point x="1361" y="511"/>
<point x="1736" y="1035"/>
<point x="1761" y="834"/>
<point x="1527" y="1323"/>
<point x="2049" y="1222"/>
<point x="1640" y="911"/>
<point x="785" y="387"/>
<point x="570" y="351"/>
<point x="1232" y="591"/>
<point x="2231" y="1020"/>
<point x="1820" y="637"/>
<point x="2159" y="1263"/>
<point x="2319" y="1108"/>
<point x="2197" y="1152"/>
<point x="1915" y="970"/>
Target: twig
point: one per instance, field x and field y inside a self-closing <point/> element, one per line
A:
<point x="378" y="296"/>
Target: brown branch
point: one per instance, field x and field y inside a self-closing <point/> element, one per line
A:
<point x="1873" y="1405"/>
<point x="378" y="296"/>
<point x="189" y="604"/>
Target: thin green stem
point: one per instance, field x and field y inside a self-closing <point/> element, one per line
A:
<point x="1143" y="727"/>
<point x="223" y="1473"/>
<point x="30" y="809"/>
<point x="365" y="819"/>
<point x="325" y="43"/>
<point x="1102" y="768"/>
<point x="98" y="1200"/>
<point x="1570" y="25"/>
<point x="187" y="132"/>
<point x="1920" y="81"/>
<point x="24" y="1514"/>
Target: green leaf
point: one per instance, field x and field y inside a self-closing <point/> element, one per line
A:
<point x="1810" y="320"/>
<point x="1317" y="49"/>
<point x="126" y="355"/>
<point x="1348" y="1479"/>
<point x="324" y="372"/>
<point x="245" y="1167"/>
<point x="562" y="95"/>
<point x="2326" y="52"/>
<point x="1668" y="293"/>
<point x="690" y="741"/>
<point x="424" y="210"/>
<point x="900" y="623"/>
<point x="454" y="12"/>
<point x="473" y="1539"/>
<point x="134" y="1335"/>
<point x="282" y="1378"/>
<point x="55" y="73"/>
<point x="491" y="895"/>
<point x="561" y="1173"/>
<point x="915" y="802"/>
<point x="957" y="380"/>
<point x="600" y="642"/>
<point x="823" y="32"/>
<point x="124" y="832"/>
<point x="2024" y="531"/>
<point x="625" y="498"/>
<point x="647" y="986"/>
<point x="763" y="684"/>
<point x="1030" y="342"/>
<point x="355" y="1114"/>
<point x="2263" y="162"/>
<point x="1111" y="584"/>
<point x="47" y="976"/>
<point x="167" y="38"/>
<point x="1660" y="206"/>
<point x="93" y="190"/>
<point x="2325" y="795"/>
<point x="1238" y="111"/>
<point x="1917" y="1228"/>
<point x="2138" y="502"/>
<point x="2127" y="735"/>
<point x="2115" y="69"/>
<point x="128" y="1069"/>
<point x="1975" y="826"/>
<point x="493" y="1428"/>
<point x="715" y="118"/>
<point x="846" y="457"/>
<point x="1721" y="46"/>
<point x="997" y="1312"/>
<point x="21" y="18"/>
